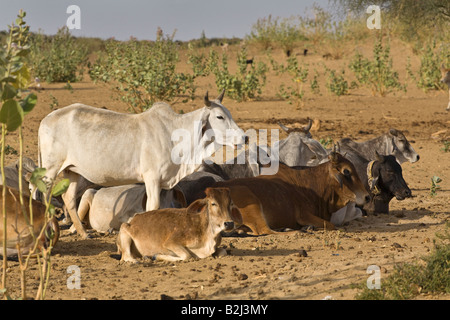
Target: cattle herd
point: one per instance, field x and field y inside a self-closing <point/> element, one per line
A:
<point x="149" y="177"/>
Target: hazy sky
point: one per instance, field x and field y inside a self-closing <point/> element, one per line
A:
<point x="139" y="18"/>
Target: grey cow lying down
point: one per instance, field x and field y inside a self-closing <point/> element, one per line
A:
<point x="179" y="234"/>
<point x="106" y="209"/>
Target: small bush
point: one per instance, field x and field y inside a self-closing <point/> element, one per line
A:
<point x="336" y="83"/>
<point x="248" y="81"/>
<point x="430" y="64"/>
<point x="298" y="75"/>
<point x="58" y="58"/>
<point x="378" y="74"/>
<point x="280" y="33"/>
<point x="143" y="72"/>
<point x="410" y="279"/>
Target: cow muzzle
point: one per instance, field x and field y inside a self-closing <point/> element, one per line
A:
<point x="362" y="198"/>
<point x="228" y="225"/>
<point x="406" y="193"/>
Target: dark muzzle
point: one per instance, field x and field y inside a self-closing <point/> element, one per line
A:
<point x="229" y="225"/>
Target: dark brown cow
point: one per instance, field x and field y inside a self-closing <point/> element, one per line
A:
<point x="18" y="231"/>
<point x="293" y="198"/>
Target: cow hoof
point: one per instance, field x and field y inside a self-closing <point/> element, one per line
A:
<point x="220" y="252"/>
<point x="86" y="236"/>
<point x="128" y="260"/>
<point x="308" y="228"/>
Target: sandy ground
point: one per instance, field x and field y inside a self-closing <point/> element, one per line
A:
<point x="273" y="267"/>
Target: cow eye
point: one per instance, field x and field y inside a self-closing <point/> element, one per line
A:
<point x="346" y="172"/>
<point x="213" y="204"/>
<point x="220" y="117"/>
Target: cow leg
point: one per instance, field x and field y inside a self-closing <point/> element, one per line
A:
<point x="153" y="189"/>
<point x="307" y="219"/>
<point x="251" y="210"/>
<point x="124" y="243"/>
<point x="85" y="203"/>
<point x="70" y="201"/>
<point x="180" y="253"/>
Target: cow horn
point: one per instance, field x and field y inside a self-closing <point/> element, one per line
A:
<point x="220" y="97"/>
<point x="308" y="127"/>
<point x="284" y="127"/>
<point x="207" y="102"/>
<point x="333" y="154"/>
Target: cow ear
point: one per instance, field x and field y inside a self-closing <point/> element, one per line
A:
<point x="394" y="146"/>
<point x="28" y="177"/>
<point x="197" y="206"/>
<point x="393" y="132"/>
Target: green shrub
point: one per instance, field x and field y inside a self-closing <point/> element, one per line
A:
<point x="282" y="33"/>
<point x="298" y="75"/>
<point x="336" y="83"/>
<point x="15" y="77"/>
<point x="410" y="279"/>
<point x="430" y="65"/>
<point x="58" y="58"/>
<point x="143" y="72"/>
<point x="248" y="81"/>
<point x="377" y="74"/>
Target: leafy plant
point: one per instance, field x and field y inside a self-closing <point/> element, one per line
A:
<point x="410" y="279"/>
<point x="430" y="64"/>
<point x="201" y="64"/>
<point x="298" y="75"/>
<point x="143" y="73"/>
<point x="277" y="32"/>
<point x="248" y="81"/>
<point x="58" y="58"/>
<point x="446" y="147"/>
<point x="15" y="77"/>
<point x="326" y="142"/>
<point x="336" y="84"/>
<point x="434" y="185"/>
<point x="314" y="84"/>
<point x="377" y="74"/>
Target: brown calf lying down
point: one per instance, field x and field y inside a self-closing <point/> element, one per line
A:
<point x="18" y="232"/>
<point x="178" y="234"/>
<point x="293" y="198"/>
